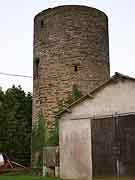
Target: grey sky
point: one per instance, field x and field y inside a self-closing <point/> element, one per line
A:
<point x="16" y="35"/>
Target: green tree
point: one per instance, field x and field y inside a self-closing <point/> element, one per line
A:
<point x="16" y="120"/>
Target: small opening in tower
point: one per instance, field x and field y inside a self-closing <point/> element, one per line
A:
<point x="36" y="68"/>
<point x="42" y="23"/>
<point x="75" y="68"/>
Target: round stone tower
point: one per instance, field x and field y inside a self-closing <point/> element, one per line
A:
<point x="71" y="47"/>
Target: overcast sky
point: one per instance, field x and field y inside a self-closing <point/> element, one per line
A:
<point x="16" y="36"/>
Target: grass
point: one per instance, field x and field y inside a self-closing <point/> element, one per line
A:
<point x="26" y="178"/>
<point x="53" y="178"/>
<point x="115" y="178"/>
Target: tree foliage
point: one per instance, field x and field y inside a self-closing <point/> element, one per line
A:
<point x="15" y="124"/>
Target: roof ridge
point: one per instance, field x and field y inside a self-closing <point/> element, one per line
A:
<point x="123" y="75"/>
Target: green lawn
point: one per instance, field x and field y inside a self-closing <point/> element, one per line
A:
<point x="26" y="178"/>
<point x="50" y="178"/>
<point x="115" y="178"/>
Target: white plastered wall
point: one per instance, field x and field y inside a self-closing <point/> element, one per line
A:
<point x="115" y="98"/>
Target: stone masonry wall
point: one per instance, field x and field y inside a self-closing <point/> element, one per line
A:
<point x="71" y="47"/>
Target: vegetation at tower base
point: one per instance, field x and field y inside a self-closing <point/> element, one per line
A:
<point x="54" y="138"/>
<point x="40" y="136"/>
<point x="39" y="139"/>
<point x="15" y="124"/>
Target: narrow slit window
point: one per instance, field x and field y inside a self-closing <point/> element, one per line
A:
<point x="75" y="68"/>
<point x="42" y="23"/>
<point x="36" y="68"/>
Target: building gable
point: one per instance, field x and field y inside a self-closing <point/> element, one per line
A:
<point x="114" y="96"/>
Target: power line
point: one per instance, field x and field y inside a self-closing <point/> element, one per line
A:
<point x="15" y="75"/>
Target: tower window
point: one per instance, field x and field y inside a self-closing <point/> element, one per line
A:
<point x="42" y="23"/>
<point x="75" y="68"/>
<point x="36" y="68"/>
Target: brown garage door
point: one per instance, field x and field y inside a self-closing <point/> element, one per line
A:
<point x="103" y="140"/>
<point x="113" y="146"/>
<point x="126" y="126"/>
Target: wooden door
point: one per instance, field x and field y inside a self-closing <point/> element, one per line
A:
<point x="104" y="147"/>
<point x="126" y="126"/>
<point x="113" y="146"/>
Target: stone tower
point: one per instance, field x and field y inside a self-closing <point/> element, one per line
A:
<point x="71" y="47"/>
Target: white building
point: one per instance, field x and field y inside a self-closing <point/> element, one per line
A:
<point x="97" y="132"/>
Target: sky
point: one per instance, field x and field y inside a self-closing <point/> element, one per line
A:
<point x="16" y="36"/>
